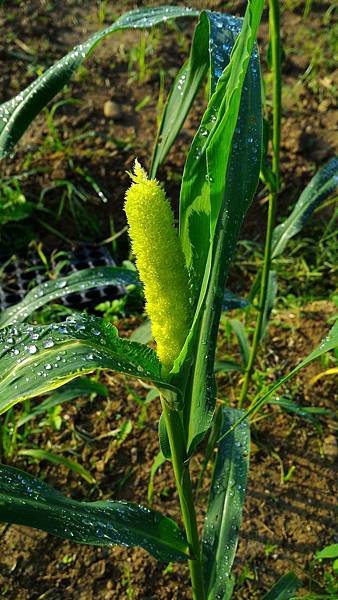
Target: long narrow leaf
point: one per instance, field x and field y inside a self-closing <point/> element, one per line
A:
<point x="224" y="515"/>
<point x="25" y="500"/>
<point x="285" y="588"/>
<point x="322" y="185"/>
<point x="75" y="389"/>
<point x="37" y="359"/>
<point x="86" y="279"/>
<point x="17" y="114"/>
<point x="183" y="92"/>
<point x="220" y="177"/>
<point x="330" y="342"/>
<point x="57" y="459"/>
<point x="239" y="330"/>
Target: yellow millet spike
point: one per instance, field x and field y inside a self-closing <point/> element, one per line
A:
<point x="160" y="262"/>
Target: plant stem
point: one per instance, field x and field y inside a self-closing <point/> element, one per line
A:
<point x="262" y="298"/>
<point x="274" y="27"/>
<point x="182" y="476"/>
<point x="276" y="51"/>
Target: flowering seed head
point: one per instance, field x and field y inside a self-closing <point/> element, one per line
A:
<point x="160" y="262"/>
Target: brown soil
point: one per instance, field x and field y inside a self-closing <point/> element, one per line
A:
<point x="284" y="523"/>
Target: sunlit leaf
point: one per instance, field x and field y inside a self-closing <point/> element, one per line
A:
<point x="220" y="178"/>
<point x="37" y="359"/>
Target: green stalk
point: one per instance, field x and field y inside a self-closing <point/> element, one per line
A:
<point x="274" y="27"/>
<point x="177" y="443"/>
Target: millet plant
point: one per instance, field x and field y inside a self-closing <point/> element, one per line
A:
<point x="184" y="272"/>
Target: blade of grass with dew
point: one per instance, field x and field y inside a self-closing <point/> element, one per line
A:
<point x="328" y="343"/>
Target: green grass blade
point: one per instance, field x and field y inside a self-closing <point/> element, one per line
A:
<point x="328" y="343"/>
<point x="56" y="459"/>
<point x="183" y="92"/>
<point x="158" y="461"/>
<point x="322" y="185"/>
<point x="75" y="389"/>
<point x="239" y="330"/>
<point x="285" y="588"/>
<point x="37" y="359"/>
<point x="270" y="300"/>
<point x="94" y="277"/>
<point x="224" y="514"/>
<point x="17" y="113"/>
<point x="25" y="500"/>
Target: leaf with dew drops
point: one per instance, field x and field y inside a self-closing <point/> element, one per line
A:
<point x="17" y="114"/>
<point x="37" y="359"/>
<point x="25" y="500"/>
<point x="224" y="514"/>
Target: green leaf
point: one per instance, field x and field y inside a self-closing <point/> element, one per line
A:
<point x="271" y="294"/>
<point x="94" y="277"/>
<point x="224" y="514"/>
<point x="227" y="366"/>
<point x="182" y="94"/>
<point x="322" y="185"/>
<point x="330" y="342"/>
<point x="220" y="178"/>
<point x="25" y="500"/>
<point x="163" y="438"/>
<point x="231" y="301"/>
<point x="17" y="114"/>
<point x="80" y="387"/>
<point x="221" y="141"/>
<point x="58" y="460"/>
<point x="328" y="552"/>
<point x="239" y="330"/>
<point x="37" y="359"/>
<point x="158" y="461"/>
<point x="285" y="588"/>
<point x="305" y="412"/>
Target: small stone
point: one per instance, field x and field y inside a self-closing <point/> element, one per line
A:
<point x="100" y="465"/>
<point x="324" y="106"/>
<point x="97" y="569"/>
<point x="111" y="110"/>
<point x="330" y="447"/>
